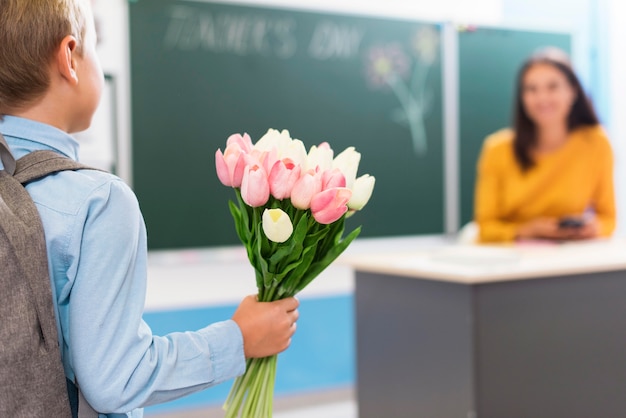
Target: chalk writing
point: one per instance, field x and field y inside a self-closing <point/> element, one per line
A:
<point x="239" y="34"/>
<point x="333" y="40"/>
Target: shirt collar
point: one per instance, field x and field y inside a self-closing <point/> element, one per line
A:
<point x="39" y="135"/>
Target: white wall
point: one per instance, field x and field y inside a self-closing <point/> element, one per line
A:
<point x="616" y="86"/>
<point x="112" y="18"/>
<point x="597" y="26"/>
<point x="552" y="15"/>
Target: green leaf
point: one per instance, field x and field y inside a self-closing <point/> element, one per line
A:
<point x="280" y="253"/>
<point x="333" y="237"/>
<point x="266" y="246"/>
<point x="301" y="229"/>
<point x="240" y="228"/>
<point x="336" y="231"/>
<point x="262" y="263"/>
<point x="244" y="210"/>
<point x="327" y="258"/>
<point x="301" y="270"/>
<point x="285" y="255"/>
<point x="315" y="237"/>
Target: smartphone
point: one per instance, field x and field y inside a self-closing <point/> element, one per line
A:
<point x="571" y="223"/>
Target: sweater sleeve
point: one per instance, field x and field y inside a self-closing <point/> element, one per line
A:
<point x="487" y="199"/>
<point x="604" y="196"/>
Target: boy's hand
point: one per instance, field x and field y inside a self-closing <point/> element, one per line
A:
<point x="267" y="327"/>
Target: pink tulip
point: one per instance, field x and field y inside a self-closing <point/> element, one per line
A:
<point x="305" y="188"/>
<point x="333" y="178"/>
<point x="330" y="205"/>
<point x="244" y="141"/>
<point x="283" y="176"/>
<point x="269" y="158"/>
<point x="230" y="165"/>
<point x="255" y="187"/>
<point x="265" y="159"/>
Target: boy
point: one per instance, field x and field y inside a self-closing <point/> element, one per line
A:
<point x="50" y="85"/>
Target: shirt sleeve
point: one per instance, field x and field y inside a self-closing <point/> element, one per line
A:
<point x="118" y="363"/>
<point x="604" y="196"/>
<point x="486" y="200"/>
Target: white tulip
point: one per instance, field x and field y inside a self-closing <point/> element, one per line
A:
<point x="361" y="192"/>
<point x="319" y="157"/>
<point x="277" y="225"/>
<point x="296" y="152"/>
<point x="274" y="139"/>
<point x="348" y="162"/>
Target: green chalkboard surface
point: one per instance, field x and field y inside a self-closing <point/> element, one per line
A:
<point x="489" y="60"/>
<point x="201" y="71"/>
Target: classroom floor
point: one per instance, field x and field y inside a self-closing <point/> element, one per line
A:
<point x="339" y="403"/>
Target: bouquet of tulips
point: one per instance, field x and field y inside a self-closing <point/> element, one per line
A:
<point x="289" y="214"/>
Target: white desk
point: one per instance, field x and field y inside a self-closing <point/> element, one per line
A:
<point x="495" y="332"/>
<point x="218" y="276"/>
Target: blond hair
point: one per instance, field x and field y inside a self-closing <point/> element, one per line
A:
<point x="30" y="33"/>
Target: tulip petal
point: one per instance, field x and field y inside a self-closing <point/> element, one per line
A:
<point x="304" y="189"/>
<point x="243" y="141"/>
<point x="255" y="187"/>
<point x="319" y="157"/>
<point x="333" y="178"/>
<point x="361" y="192"/>
<point x="328" y="216"/>
<point x="282" y="178"/>
<point x="222" y="169"/>
<point x="329" y="205"/>
<point x="348" y="162"/>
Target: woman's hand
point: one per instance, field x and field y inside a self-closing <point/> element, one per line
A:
<point x="540" y="228"/>
<point x="548" y="228"/>
<point x="589" y="230"/>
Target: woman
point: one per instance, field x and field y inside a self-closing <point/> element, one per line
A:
<point x="552" y="176"/>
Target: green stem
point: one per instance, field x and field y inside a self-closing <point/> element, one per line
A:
<point x="268" y="295"/>
<point x="238" y="391"/>
<point x="252" y="393"/>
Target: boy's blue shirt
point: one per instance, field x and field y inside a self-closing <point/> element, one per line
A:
<point x="97" y="252"/>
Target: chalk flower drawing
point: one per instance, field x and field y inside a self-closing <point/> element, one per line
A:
<point x="388" y="67"/>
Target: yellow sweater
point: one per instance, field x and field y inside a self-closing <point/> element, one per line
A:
<point x="576" y="178"/>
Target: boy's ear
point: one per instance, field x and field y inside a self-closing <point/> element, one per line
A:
<point x="66" y="59"/>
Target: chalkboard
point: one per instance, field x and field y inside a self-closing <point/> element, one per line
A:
<point x="489" y="60"/>
<point x="201" y="71"/>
